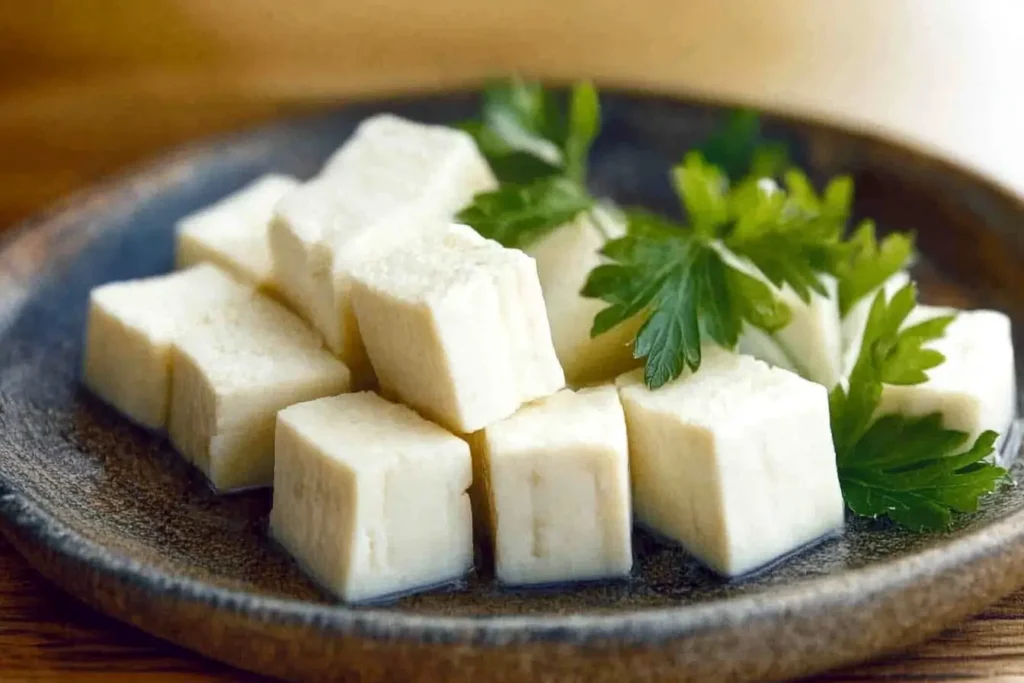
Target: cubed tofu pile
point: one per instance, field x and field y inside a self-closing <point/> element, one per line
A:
<point x="292" y="294"/>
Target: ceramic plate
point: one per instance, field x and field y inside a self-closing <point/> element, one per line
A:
<point x="109" y="512"/>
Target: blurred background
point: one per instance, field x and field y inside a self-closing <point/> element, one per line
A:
<point x="87" y="87"/>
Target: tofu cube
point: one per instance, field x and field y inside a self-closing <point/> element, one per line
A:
<point x="371" y="498"/>
<point x="735" y="461"/>
<point x="233" y="232"/>
<point x="455" y="327"/>
<point x="811" y="344"/>
<point x="130" y="331"/>
<point x="558" y="489"/>
<point x="232" y="374"/>
<point x="565" y="258"/>
<point x="856" y="320"/>
<point x="393" y="180"/>
<point x="975" y="389"/>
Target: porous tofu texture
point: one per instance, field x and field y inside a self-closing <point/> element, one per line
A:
<point x="371" y="498"/>
<point x="735" y="461"/>
<point x="233" y="232"/>
<point x="558" y="489"/>
<point x="393" y="180"/>
<point x="455" y="327"/>
<point x="565" y="258"/>
<point x="232" y="373"/>
<point x="975" y="388"/>
<point x="130" y="331"/>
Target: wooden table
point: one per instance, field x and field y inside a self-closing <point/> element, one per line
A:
<point x="87" y="88"/>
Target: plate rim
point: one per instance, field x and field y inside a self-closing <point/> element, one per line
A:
<point x="633" y="625"/>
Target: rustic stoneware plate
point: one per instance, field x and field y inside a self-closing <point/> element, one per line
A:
<point x="108" y="511"/>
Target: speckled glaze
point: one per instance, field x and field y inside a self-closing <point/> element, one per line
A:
<point x="107" y="510"/>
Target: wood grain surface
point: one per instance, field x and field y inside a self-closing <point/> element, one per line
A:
<point x="88" y="88"/>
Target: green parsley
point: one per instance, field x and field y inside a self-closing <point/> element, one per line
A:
<point x="909" y="469"/>
<point x="517" y="215"/>
<point x="687" y="279"/>
<point x="739" y="148"/>
<point x="687" y="290"/>
<point x="538" y="149"/>
<point x="869" y="264"/>
<point x="791" y="236"/>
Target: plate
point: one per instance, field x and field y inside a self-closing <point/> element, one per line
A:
<point x="109" y="513"/>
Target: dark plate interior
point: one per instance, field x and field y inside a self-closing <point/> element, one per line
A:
<point x="81" y="485"/>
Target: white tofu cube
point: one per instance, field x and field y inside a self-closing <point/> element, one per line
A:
<point x="232" y="374"/>
<point x="393" y="180"/>
<point x="811" y="344"/>
<point x="565" y="258"/>
<point x="558" y="486"/>
<point x="763" y="346"/>
<point x="856" y="320"/>
<point x="130" y="331"/>
<point x="371" y="498"/>
<point x="233" y="232"/>
<point x="975" y="388"/>
<point x="455" y="327"/>
<point x="735" y="461"/>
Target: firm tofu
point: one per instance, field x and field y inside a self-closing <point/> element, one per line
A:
<point x="455" y="327"/>
<point x="857" y="319"/>
<point x="558" y="484"/>
<point x="393" y="180"/>
<point x="565" y="258"/>
<point x="371" y="498"/>
<point x="232" y="373"/>
<point x="130" y="331"/>
<point x="735" y="461"/>
<point x="975" y="388"/>
<point x="233" y="232"/>
<point x="811" y="344"/>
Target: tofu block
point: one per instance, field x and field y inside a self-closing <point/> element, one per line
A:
<point x="393" y="180"/>
<point x="735" y="461"/>
<point x="811" y="344"/>
<point x="765" y="347"/>
<point x="130" y="331"/>
<point x="975" y="388"/>
<point x="233" y="232"/>
<point x="455" y="327"/>
<point x="856" y="320"/>
<point x="371" y="498"/>
<point x="558" y="487"/>
<point x="232" y="374"/>
<point x="565" y="258"/>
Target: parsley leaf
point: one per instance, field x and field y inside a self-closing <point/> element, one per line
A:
<point x="538" y="148"/>
<point x="791" y="235"/>
<point x="686" y="289"/>
<point x="516" y="215"/>
<point x="740" y="150"/>
<point x="687" y="280"/>
<point x="869" y="264"/>
<point x="527" y="132"/>
<point x="909" y="469"/>
<point x="508" y="163"/>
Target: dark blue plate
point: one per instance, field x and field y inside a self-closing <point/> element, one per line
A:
<point x="111" y="514"/>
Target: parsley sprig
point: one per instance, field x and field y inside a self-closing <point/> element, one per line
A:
<point x="867" y="264"/>
<point x="740" y="149"/>
<point x="698" y="282"/>
<point x="538" y="147"/>
<point x="909" y="469"/>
